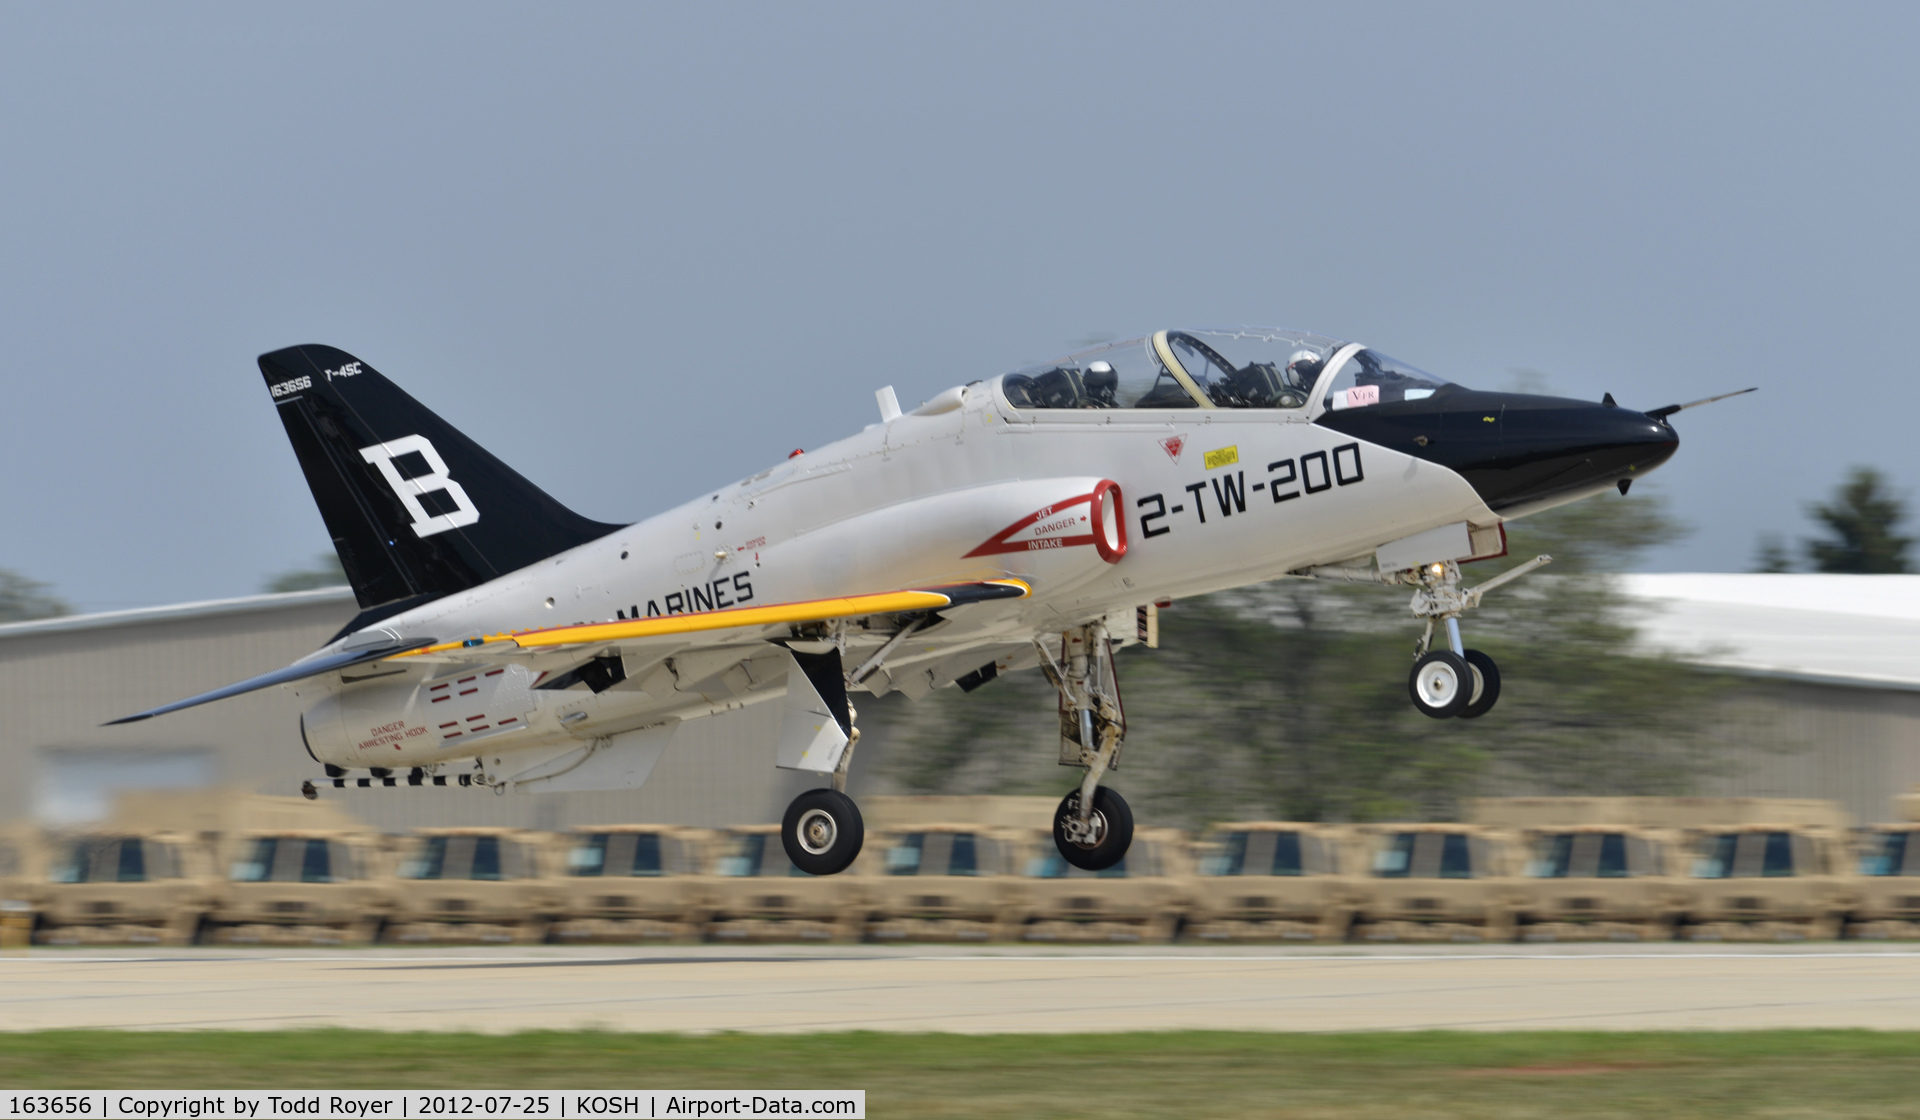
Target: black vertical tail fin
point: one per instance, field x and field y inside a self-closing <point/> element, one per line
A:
<point x="416" y="509"/>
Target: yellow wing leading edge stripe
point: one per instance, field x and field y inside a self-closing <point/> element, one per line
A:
<point x="814" y="610"/>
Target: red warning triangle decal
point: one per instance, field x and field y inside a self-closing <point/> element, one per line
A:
<point x="1172" y="446"/>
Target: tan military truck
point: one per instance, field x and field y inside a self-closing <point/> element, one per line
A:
<point x="1273" y="881"/>
<point x="1888" y="862"/>
<point x="1599" y="882"/>
<point x="1751" y="868"/>
<point x="1143" y="898"/>
<point x="944" y="881"/>
<point x="1887" y="858"/>
<point x="1651" y="812"/>
<point x="633" y="882"/>
<point x="1439" y="882"/>
<point x="1889" y="889"/>
<point x="468" y="885"/>
<point x="891" y="813"/>
<point x="116" y="888"/>
<point x="302" y="887"/>
<point x="759" y="895"/>
<point x="1776" y="881"/>
<point x="21" y="868"/>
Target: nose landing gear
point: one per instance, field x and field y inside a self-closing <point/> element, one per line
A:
<point x="1455" y="681"/>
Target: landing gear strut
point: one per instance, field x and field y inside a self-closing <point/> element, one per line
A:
<point x="1455" y="681"/>
<point x="1093" y="826"/>
<point x="822" y="830"/>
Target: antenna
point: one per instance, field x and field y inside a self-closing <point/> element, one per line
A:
<point x="1663" y="413"/>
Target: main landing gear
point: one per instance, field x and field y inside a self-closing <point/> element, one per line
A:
<point x="822" y="829"/>
<point x="1455" y="682"/>
<point x="1092" y="827"/>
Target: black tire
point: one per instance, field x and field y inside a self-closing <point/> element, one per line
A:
<point x="1440" y="684"/>
<point x="1113" y="830"/>
<point x="822" y="832"/>
<point x="1486" y="685"/>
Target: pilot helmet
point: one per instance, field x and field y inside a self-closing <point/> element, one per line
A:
<point x="1304" y="365"/>
<point x="1101" y="381"/>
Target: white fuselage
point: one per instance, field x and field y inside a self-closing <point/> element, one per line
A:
<point x="1211" y="499"/>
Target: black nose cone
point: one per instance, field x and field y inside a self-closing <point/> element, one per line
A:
<point x="1517" y="449"/>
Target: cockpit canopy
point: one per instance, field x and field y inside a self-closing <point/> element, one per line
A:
<point x="1225" y="367"/>
<point x="1369" y="377"/>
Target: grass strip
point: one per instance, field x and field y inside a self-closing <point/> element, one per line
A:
<point x="1254" y="1076"/>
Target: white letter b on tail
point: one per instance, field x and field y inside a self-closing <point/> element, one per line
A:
<point x="410" y="490"/>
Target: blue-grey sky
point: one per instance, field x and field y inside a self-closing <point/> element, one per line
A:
<point x="640" y="250"/>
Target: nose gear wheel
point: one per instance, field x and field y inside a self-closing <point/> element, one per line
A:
<point x="1441" y="684"/>
<point x="1486" y="685"/>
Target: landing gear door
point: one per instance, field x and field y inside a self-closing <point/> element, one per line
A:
<point x="813" y="728"/>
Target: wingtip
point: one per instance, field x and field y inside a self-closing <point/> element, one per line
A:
<point x="128" y="719"/>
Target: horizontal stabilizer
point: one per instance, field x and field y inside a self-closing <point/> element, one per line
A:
<point x="299" y="670"/>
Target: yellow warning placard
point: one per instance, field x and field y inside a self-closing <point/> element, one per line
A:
<point x="1225" y="457"/>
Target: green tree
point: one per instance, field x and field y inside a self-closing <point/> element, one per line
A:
<point x="325" y="572"/>
<point x="1862" y="518"/>
<point x="1771" y="555"/>
<point x="1290" y="699"/>
<point x="22" y="599"/>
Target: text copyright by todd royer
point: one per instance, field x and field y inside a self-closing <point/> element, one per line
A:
<point x="310" y="1104"/>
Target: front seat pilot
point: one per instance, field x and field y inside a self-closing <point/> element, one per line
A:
<point x="1102" y="383"/>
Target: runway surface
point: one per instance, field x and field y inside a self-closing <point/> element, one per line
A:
<point x="979" y="990"/>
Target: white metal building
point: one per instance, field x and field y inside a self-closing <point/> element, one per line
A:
<point x="1839" y="655"/>
<point x="61" y="678"/>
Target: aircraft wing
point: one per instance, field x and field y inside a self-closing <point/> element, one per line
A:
<point x="743" y="623"/>
<point x="746" y="622"/>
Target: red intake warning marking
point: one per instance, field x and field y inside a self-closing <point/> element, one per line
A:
<point x="1172" y="445"/>
<point x="1044" y="528"/>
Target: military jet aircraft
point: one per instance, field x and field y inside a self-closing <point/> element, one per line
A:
<point x="1032" y="520"/>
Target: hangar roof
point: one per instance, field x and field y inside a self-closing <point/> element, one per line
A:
<point x="1839" y="629"/>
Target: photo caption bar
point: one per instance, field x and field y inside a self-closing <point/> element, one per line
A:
<point x="374" y="1104"/>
